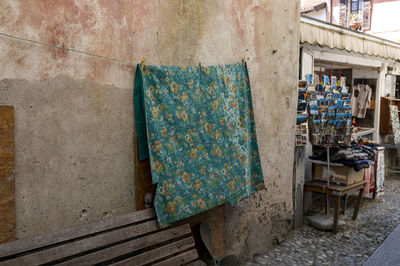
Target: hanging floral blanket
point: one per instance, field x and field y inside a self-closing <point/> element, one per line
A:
<point x="196" y="126"/>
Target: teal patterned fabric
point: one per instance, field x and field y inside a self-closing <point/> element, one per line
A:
<point x="201" y="136"/>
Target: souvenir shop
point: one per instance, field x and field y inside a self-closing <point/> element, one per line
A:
<point x="337" y="128"/>
<point x="340" y="120"/>
<point x="336" y="111"/>
<point x="345" y="135"/>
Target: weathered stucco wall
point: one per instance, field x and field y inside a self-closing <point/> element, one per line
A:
<point x="74" y="114"/>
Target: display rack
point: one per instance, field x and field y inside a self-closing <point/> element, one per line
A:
<point x="329" y="116"/>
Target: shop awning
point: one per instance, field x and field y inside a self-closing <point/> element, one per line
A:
<point x="317" y="32"/>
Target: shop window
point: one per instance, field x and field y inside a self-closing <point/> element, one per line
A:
<point x="357" y="10"/>
<point x="343" y="13"/>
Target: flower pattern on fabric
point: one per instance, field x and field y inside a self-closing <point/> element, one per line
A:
<point x="201" y="137"/>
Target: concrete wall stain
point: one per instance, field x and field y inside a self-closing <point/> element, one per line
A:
<point x="74" y="113"/>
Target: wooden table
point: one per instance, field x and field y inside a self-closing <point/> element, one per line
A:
<point x="337" y="192"/>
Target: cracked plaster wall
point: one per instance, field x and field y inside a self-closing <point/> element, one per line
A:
<point x="74" y="114"/>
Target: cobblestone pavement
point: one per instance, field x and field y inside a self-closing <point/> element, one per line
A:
<point x="353" y="244"/>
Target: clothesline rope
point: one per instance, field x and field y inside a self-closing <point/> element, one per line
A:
<point x="67" y="49"/>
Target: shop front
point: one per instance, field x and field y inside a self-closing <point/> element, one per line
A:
<point x="361" y="70"/>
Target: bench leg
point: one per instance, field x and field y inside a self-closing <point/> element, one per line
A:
<point x="359" y="198"/>
<point x="345" y="203"/>
<point x="336" y="215"/>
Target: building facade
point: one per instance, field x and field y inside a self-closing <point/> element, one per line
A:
<point x="376" y="17"/>
<point x="68" y="71"/>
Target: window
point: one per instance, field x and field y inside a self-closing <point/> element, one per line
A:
<point x="356" y="6"/>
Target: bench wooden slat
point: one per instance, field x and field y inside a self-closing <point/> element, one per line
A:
<point x="180" y="259"/>
<point x="25" y="245"/>
<point x="137" y="235"/>
<point x="158" y="253"/>
<point x="196" y="263"/>
<point x="130" y="246"/>
<point x="86" y="244"/>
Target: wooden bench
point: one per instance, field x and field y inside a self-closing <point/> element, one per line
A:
<point x="133" y="239"/>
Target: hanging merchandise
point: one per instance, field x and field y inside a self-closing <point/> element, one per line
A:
<point x="201" y="136"/>
<point x="360" y="100"/>
<point x="334" y="81"/>
<point x="301" y="120"/>
<point x="326" y="80"/>
<point x="370" y="184"/>
<point x="309" y="78"/>
<point x="394" y="117"/>
<point x="301" y="134"/>
<point x="316" y="79"/>
<point x="343" y="82"/>
<point x="380" y="171"/>
<point x="329" y="114"/>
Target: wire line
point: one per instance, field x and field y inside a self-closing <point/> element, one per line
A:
<point x="67" y="49"/>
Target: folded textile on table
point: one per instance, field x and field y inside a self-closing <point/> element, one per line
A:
<point x="357" y="165"/>
<point x="201" y="136"/>
<point x="355" y="156"/>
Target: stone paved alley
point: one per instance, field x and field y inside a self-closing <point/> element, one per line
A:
<point x="354" y="243"/>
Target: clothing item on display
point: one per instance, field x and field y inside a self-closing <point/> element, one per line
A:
<point x="201" y="136"/>
<point x="360" y="100"/>
<point x="369" y="178"/>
